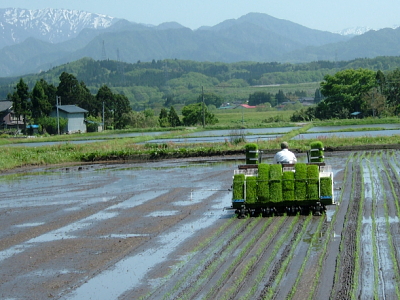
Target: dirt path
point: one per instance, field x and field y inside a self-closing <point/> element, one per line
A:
<point x="161" y="230"/>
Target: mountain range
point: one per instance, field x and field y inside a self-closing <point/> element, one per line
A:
<point x="32" y="41"/>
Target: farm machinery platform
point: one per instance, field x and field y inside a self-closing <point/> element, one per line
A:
<point x="275" y="189"/>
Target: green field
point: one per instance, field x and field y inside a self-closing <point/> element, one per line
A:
<point x="251" y="118"/>
<point x="123" y="148"/>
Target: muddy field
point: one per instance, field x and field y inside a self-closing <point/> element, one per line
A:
<point x="163" y="230"/>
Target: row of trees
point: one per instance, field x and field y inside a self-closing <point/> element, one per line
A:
<point x="258" y="98"/>
<point x="362" y="90"/>
<point x="35" y="106"/>
<point x="193" y="114"/>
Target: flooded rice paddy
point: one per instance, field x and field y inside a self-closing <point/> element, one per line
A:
<point x="250" y="134"/>
<point x="164" y="230"/>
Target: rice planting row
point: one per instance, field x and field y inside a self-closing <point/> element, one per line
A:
<point x="206" y="270"/>
<point x="344" y="273"/>
<point x="370" y="271"/>
<point x="388" y="234"/>
<point x="367" y="265"/>
<point x="200" y="270"/>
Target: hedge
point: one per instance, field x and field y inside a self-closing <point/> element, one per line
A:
<point x="263" y="182"/>
<point x="238" y="186"/>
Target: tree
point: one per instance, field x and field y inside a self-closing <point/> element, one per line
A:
<point x="169" y="100"/>
<point x="280" y="97"/>
<point x="375" y="102"/>
<point x="318" y="96"/>
<point x="258" y="98"/>
<point x="163" y="118"/>
<point x="50" y="124"/>
<point x="86" y="100"/>
<point x="380" y="80"/>
<point x="211" y="98"/>
<point x="121" y="106"/>
<point x="173" y="118"/>
<point x="135" y="119"/>
<point x="392" y="89"/>
<point x="104" y="96"/>
<point x="21" y="101"/>
<point x="344" y="90"/>
<point x="50" y="91"/>
<point x="40" y="102"/>
<point x="68" y="89"/>
<point x="140" y="119"/>
<point x="193" y="115"/>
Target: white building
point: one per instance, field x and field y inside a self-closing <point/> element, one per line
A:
<point x="75" y="116"/>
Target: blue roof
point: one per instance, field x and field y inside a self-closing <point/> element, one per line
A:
<point x="356" y="113"/>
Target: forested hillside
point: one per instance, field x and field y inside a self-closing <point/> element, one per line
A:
<point x="179" y="82"/>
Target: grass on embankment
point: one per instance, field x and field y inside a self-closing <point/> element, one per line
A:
<point x="128" y="149"/>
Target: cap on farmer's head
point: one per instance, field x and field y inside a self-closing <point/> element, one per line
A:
<point x="284" y="145"/>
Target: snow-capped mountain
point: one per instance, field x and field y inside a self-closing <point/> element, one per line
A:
<point x="354" y="30"/>
<point x="360" y="30"/>
<point x="50" y="25"/>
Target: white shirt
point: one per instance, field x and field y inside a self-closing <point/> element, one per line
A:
<point x="285" y="156"/>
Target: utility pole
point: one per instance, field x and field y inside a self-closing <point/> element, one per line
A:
<point x="58" y="115"/>
<point x="103" y="115"/>
<point x="204" y="116"/>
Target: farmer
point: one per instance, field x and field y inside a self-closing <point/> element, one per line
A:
<point x="285" y="156"/>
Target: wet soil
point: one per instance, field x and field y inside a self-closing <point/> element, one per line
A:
<point x="164" y="230"/>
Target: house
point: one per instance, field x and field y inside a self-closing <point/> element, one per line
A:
<point x="226" y="106"/>
<point x="8" y="120"/>
<point x="75" y="116"/>
<point x="245" y="106"/>
<point x="306" y="101"/>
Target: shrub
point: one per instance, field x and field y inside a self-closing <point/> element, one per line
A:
<point x="238" y="186"/>
<point x="251" y="189"/>
<point x="263" y="182"/>
<point x="251" y="153"/>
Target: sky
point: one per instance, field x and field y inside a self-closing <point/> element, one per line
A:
<point x="316" y="14"/>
